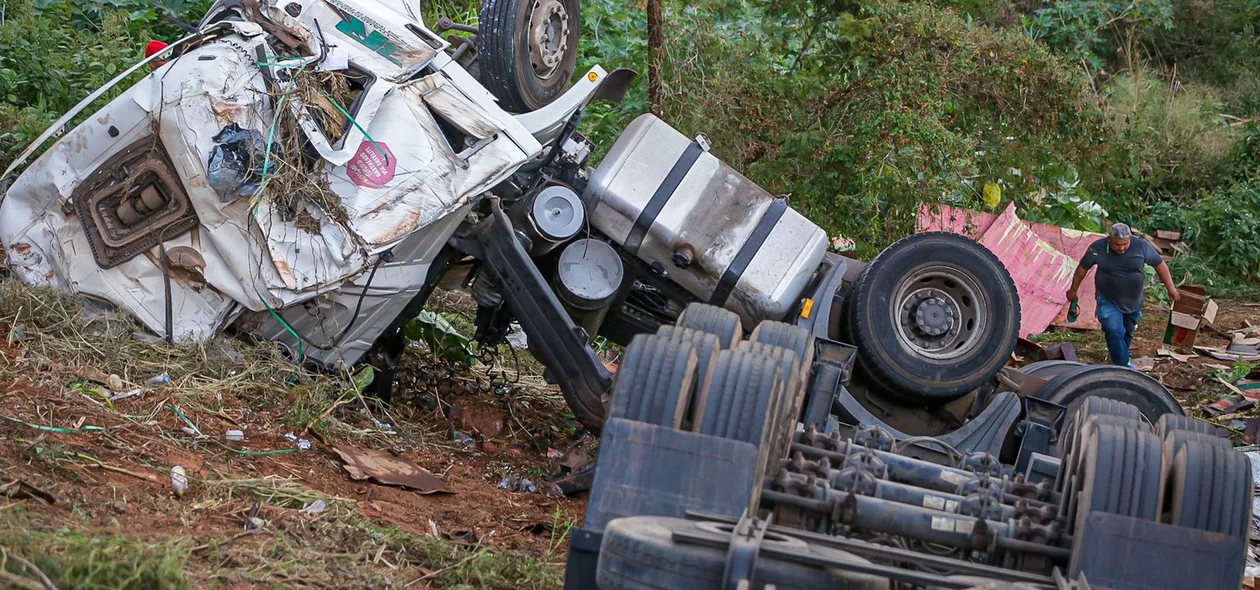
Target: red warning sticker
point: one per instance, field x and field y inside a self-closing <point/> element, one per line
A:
<point x="370" y="168"/>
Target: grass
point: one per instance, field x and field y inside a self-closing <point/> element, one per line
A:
<point x="74" y="559"/>
<point x="63" y="349"/>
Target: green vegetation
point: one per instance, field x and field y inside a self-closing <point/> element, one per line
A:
<point x="864" y="110"/>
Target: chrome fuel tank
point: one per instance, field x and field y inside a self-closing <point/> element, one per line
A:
<point x="677" y="207"/>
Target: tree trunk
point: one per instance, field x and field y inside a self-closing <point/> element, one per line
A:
<point x="655" y="41"/>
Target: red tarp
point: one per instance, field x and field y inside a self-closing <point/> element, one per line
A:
<point x="1041" y="258"/>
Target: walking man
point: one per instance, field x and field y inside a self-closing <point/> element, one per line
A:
<point x="1121" y="260"/>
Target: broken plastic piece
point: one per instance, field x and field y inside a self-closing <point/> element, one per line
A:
<point x="234" y="435"/>
<point x="235" y="168"/>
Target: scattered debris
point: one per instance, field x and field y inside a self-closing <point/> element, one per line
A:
<point x="1144" y="364"/>
<point x="1225" y="355"/>
<point x="1181" y="358"/>
<point x="126" y="394"/>
<point x="387" y="469"/>
<point x="463" y="439"/>
<point x="520" y="484"/>
<point x="1229" y="405"/>
<point x="301" y="443"/>
<point x="235" y="168"/>
<point x="179" y="481"/>
<point x="158" y="381"/>
<point x="19" y="489"/>
<point x="234" y="435"/>
<point x="315" y="507"/>
<point x="576" y="482"/>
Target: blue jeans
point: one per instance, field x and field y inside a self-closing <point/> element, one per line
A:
<point x="1118" y="327"/>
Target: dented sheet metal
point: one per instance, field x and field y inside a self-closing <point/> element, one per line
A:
<point x="1042" y="274"/>
<point x="394" y="173"/>
<point x="1037" y="260"/>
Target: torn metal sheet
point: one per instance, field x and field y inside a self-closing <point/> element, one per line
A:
<point x="1042" y="274"/>
<point x="387" y="469"/>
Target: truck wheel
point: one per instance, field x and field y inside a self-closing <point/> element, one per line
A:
<point x="1070" y="478"/>
<point x="784" y="415"/>
<point x="794" y="338"/>
<point x="738" y="402"/>
<point x="1170" y="422"/>
<point x="527" y="50"/>
<point x="935" y="316"/>
<point x="1119" y="383"/>
<point x="1209" y="488"/>
<point x="707" y="347"/>
<point x="639" y="553"/>
<point x="715" y="320"/>
<point x="655" y="381"/>
<point x="1093" y="406"/>
<point x="1121" y="469"/>
<point x="1050" y="369"/>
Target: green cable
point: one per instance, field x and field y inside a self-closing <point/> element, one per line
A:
<point x="185" y="419"/>
<point x="54" y="428"/>
<point x="301" y="349"/>
<point x="357" y="126"/>
<point x="260" y="453"/>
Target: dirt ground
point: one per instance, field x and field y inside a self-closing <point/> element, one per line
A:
<point x="90" y="498"/>
<point x="90" y="502"/>
<point x="1193" y="382"/>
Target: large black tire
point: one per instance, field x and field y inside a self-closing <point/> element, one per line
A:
<point x="715" y="320"/>
<point x="509" y="61"/>
<point x="1070" y="477"/>
<point x="655" y="381"/>
<point x="784" y="415"/>
<point x="707" y="347"/>
<point x="1121" y="469"/>
<point x="1050" y="369"/>
<point x="941" y="281"/>
<point x="1170" y="422"/>
<point x="1208" y="487"/>
<point x="738" y="403"/>
<point x="639" y="553"/>
<point x="1119" y="383"/>
<point x="1093" y="406"/>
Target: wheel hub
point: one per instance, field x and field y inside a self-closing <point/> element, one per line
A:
<point x="933" y="316"/>
<point x="938" y="310"/>
<point x="548" y="37"/>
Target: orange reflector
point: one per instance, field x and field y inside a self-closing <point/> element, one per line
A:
<point x="807" y="309"/>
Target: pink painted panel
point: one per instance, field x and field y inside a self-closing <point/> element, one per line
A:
<point x="1042" y="274"/>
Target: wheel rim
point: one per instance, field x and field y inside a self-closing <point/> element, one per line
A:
<point x="939" y="312"/>
<point x="548" y="37"/>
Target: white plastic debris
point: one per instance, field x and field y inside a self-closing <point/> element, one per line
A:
<point x="125" y="395"/>
<point x="234" y="435"/>
<point x="179" y="481"/>
<point x="301" y="443"/>
<point x="114" y="382"/>
<point x="189" y="431"/>
<point x="315" y="507"/>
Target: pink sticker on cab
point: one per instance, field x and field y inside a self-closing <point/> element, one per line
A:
<point x="370" y="168"/>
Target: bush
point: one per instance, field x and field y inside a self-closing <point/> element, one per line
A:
<point x="863" y="116"/>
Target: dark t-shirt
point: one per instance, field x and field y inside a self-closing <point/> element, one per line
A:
<point x="1121" y="277"/>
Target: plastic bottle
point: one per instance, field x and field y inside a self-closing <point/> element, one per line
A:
<point x="1074" y="311"/>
